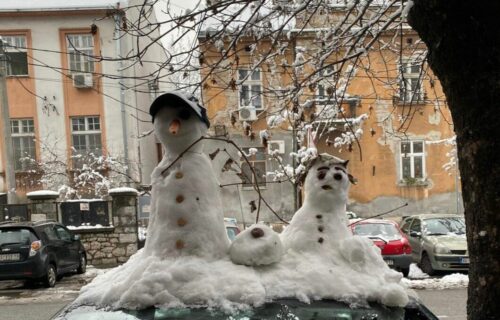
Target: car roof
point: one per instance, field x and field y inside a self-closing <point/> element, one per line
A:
<point x="434" y="215"/>
<point x="26" y="224"/>
<point x="373" y="221"/>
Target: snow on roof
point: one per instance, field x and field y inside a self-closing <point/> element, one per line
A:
<point x="263" y="19"/>
<point x="123" y="190"/>
<point x="49" y="5"/>
<point x="40" y="193"/>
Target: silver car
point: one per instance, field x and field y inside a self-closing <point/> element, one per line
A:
<point x="438" y="242"/>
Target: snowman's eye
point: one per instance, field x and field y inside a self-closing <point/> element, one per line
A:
<point x="184" y="114"/>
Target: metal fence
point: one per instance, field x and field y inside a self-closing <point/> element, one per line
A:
<point x="82" y="213"/>
<point x="16" y="212"/>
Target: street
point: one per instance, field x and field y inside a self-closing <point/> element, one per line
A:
<point x="39" y="303"/>
<point x="449" y="304"/>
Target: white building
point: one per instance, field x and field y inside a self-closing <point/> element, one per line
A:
<point x="65" y="102"/>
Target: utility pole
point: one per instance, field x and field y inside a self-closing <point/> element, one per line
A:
<point x="10" y="176"/>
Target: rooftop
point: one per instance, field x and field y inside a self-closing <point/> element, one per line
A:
<point x="57" y="5"/>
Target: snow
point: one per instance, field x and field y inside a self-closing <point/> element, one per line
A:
<point x="58" y="4"/>
<point x="123" y="190"/>
<point x="342" y="267"/>
<point x="256" y="246"/>
<point x="85" y="227"/>
<point x="417" y="279"/>
<point x="84" y="200"/>
<point x="39" y="193"/>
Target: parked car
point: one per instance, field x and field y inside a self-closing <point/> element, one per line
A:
<point x="438" y="242"/>
<point x="39" y="251"/>
<point x="232" y="228"/>
<point x="394" y="246"/>
<point x="279" y="309"/>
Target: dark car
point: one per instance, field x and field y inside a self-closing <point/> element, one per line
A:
<point x="39" y="251"/>
<point x="280" y="309"/>
<point x="385" y="234"/>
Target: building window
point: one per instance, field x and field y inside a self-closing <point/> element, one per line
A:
<point x="250" y="93"/>
<point x="23" y="143"/>
<point x="257" y="159"/>
<point x="328" y="78"/>
<point x="411" y="82"/>
<point x="412" y="160"/>
<point x="81" y="51"/>
<point x="16" y="55"/>
<point x="86" y="139"/>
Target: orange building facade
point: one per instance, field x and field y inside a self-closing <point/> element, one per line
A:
<point x="390" y="99"/>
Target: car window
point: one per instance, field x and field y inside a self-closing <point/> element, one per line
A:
<point x="406" y="225"/>
<point x="443" y="226"/>
<point x="231" y="232"/>
<point x="63" y="233"/>
<point x="415" y="226"/>
<point x="50" y="233"/>
<point x="384" y="230"/>
<point x="15" y="236"/>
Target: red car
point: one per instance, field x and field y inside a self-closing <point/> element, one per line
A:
<point x="386" y="235"/>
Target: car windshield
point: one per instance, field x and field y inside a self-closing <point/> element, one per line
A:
<point x="383" y="230"/>
<point x="14" y="236"/>
<point x="283" y="309"/>
<point x="444" y="226"/>
<point x="232" y="232"/>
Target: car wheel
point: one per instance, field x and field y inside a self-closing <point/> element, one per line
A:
<point x="50" y="277"/>
<point x="426" y="265"/>
<point x="405" y="271"/>
<point x="82" y="267"/>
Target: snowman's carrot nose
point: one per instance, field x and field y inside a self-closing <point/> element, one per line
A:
<point x="174" y="127"/>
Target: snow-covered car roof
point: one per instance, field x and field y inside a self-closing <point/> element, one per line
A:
<point x="279" y="309"/>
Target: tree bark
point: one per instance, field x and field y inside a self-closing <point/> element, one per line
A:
<point x="463" y="38"/>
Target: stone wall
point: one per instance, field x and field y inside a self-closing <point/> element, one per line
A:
<point x="111" y="246"/>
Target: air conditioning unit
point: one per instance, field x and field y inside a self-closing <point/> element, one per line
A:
<point x="83" y="80"/>
<point x="273" y="145"/>
<point x="247" y="113"/>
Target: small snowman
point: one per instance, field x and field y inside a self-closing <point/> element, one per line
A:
<point x="258" y="245"/>
<point x="186" y="209"/>
<point x="321" y="222"/>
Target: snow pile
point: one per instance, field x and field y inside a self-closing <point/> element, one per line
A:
<point x="256" y="246"/>
<point x="452" y="281"/>
<point x="416" y="272"/>
<point x="188" y="281"/>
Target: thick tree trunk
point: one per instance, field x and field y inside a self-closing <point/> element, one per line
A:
<point x="463" y="38"/>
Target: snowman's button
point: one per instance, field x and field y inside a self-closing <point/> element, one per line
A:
<point x="320" y="228"/>
<point x="320" y="240"/>
<point x="318" y="216"/>
<point x="181" y="222"/>
<point x="179" y="244"/>
<point x="179" y="198"/>
<point x="179" y="175"/>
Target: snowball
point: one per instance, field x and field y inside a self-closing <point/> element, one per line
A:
<point x="257" y="245"/>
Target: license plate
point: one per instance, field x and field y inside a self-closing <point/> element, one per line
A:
<point x="389" y="262"/>
<point x="10" y="257"/>
<point x="465" y="260"/>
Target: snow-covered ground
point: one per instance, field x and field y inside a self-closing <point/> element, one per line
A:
<point x="420" y="280"/>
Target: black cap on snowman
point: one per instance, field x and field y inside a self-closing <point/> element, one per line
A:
<point x="176" y="99"/>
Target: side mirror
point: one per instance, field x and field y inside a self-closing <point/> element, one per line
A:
<point x="416" y="234"/>
<point x="76" y="237"/>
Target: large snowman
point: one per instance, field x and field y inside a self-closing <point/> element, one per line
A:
<point x="186" y="210"/>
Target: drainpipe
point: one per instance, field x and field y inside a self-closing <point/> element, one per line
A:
<point x="118" y="35"/>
